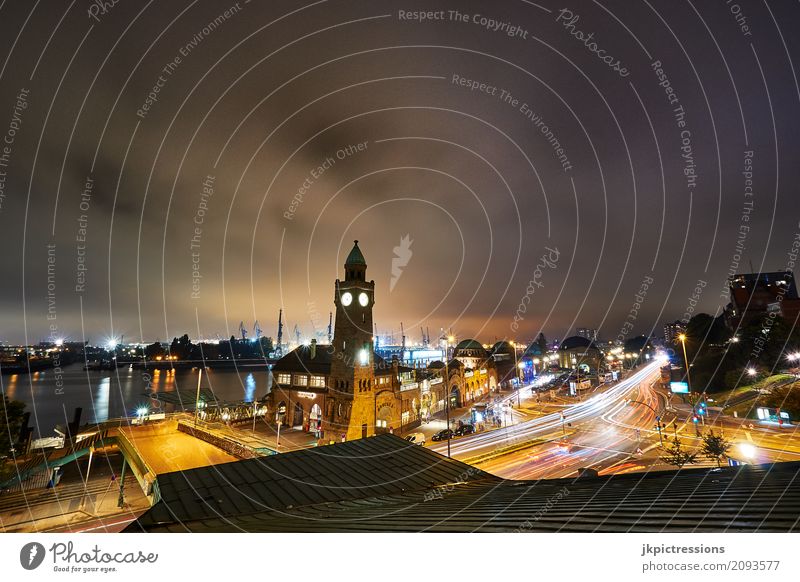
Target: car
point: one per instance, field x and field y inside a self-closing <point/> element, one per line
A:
<point x="416" y="437"/>
<point x="465" y="430"/>
<point x="443" y="435"/>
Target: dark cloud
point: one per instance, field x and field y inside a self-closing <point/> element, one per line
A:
<point x="477" y="181"/>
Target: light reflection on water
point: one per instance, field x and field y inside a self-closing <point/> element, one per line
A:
<point x="115" y="393"/>
<point x="249" y="388"/>
<point x="102" y="399"/>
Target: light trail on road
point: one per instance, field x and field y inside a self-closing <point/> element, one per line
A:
<point x="592" y="408"/>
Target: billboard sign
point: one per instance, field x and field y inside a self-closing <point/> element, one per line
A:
<point x="679" y="387"/>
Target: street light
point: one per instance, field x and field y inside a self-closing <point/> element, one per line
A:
<point x="197" y="397"/>
<point x="751" y="371"/>
<point x="747" y="450"/>
<point x="447" y="403"/>
<point x="517" y="368"/>
<point x="682" y="337"/>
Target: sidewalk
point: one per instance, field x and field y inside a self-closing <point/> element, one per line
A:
<point x="516" y="415"/>
<point x="265" y="436"/>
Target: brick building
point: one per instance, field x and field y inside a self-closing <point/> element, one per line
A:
<point x="345" y="388"/>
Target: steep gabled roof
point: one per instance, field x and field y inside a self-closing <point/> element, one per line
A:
<point x="355" y="257"/>
<point x="299" y="360"/>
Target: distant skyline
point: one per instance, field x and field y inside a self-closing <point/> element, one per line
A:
<point x="508" y="169"/>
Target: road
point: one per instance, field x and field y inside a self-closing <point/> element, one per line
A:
<point x="609" y="405"/>
<point x="613" y="431"/>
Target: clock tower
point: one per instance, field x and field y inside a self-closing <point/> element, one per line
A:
<point x="351" y="397"/>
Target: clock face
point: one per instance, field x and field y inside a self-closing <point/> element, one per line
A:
<point x="347" y="298"/>
<point x="363" y="299"/>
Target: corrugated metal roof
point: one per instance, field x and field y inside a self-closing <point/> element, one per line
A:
<point x="377" y="466"/>
<point x="382" y="484"/>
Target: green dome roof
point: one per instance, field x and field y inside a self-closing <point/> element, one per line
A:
<point x="468" y="344"/>
<point x="355" y="257"/>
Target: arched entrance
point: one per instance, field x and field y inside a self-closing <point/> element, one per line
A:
<point x="315" y="419"/>
<point x="297" y="419"/>
<point x="455" y="397"/>
<point x="425" y="407"/>
<point x="383" y="419"/>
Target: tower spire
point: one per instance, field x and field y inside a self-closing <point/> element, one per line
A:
<point x="355" y="266"/>
<point x="280" y="332"/>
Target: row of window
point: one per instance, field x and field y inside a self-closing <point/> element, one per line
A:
<point x="314" y="381"/>
<point x="300" y="380"/>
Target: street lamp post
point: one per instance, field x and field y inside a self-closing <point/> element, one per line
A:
<point x="447" y="403"/>
<point x="517" y="370"/>
<point x="682" y="337"/>
<point x="197" y="398"/>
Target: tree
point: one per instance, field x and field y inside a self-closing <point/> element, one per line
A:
<point x="266" y="345"/>
<point x="675" y="455"/>
<point x="181" y="347"/>
<point x="705" y="330"/>
<point x="154" y="350"/>
<point x="11" y="414"/>
<point x="715" y="446"/>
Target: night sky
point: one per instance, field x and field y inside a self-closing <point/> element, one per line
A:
<point x="557" y="163"/>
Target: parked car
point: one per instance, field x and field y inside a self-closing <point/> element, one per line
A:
<point x="465" y="430"/>
<point x="442" y="435"/>
<point x="416" y="437"/>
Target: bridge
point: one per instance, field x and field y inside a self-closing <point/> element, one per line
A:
<point x="175" y="442"/>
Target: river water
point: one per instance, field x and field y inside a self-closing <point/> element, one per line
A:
<point x="116" y="393"/>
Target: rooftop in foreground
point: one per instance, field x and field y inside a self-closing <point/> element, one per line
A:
<point x="385" y="484"/>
